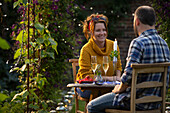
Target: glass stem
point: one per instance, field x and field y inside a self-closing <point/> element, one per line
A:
<point x="105" y="76"/>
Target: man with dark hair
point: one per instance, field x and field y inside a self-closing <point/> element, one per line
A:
<point x="148" y="47"/>
<point x="146" y="15"/>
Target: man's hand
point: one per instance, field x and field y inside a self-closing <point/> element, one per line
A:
<point x="116" y="89"/>
<point x="119" y="88"/>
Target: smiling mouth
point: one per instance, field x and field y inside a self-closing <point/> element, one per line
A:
<point x="101" y="37"/>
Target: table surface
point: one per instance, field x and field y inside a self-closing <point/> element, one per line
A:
<point x="105" y="88"/>
<point x="89" y="85"/>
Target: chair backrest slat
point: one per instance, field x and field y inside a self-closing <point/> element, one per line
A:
<point x="149" y="84"/>
<point x="74" y="65"/>
<point x="135" y="65"/>
<point x="147" y="99"/>
<point x="150" y="70"/>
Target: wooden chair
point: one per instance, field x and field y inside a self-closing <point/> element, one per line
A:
<point x="146" y="68"/>
<point x="74" y="65"/>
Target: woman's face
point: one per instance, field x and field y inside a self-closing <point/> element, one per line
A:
<point x="100" y="32"/>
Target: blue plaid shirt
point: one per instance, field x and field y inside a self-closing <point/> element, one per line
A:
<point x="149" y="47"/>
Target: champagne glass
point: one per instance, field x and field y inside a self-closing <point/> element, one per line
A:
<point x="94" y="63"/>
<point x="105" y="65"/>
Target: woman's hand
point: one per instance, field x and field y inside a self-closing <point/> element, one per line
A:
<point x="118" y="74"/>
<point x="113" y="78"/>
<point x="117" y="78"/>
<point x="108" y="78"/>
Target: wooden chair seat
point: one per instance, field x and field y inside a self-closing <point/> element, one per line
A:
<point x="146" y="68"/>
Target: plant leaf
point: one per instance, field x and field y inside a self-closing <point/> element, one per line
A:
<point x="54" y="44"/>
<point x="40" y="40"/>
<point x="19" y="37"/>
<point x="43" y="54"/>
<point x="35" y="106"/>
<point x="15" y="4"/>
<point x="39" y="26"/>
<point x="17" y="53"/>
<point x="44" y="105"/>
<point x="33" y="93"/>
<point x="55" y="48"/>
<point x="3" y="97"/>
<point x="33" y="44"/>
<point x="27" y="61"/>
<point x="51" y="54"/>
<point x="23" y="93"/>
<point x="14" y="69"/>
<point x="23" y="67"/>
<point x="4" y="44"/>
<point x="15" y="97"/>
<point x="52" y="41"/>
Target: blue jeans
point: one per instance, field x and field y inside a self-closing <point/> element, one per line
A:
<point x="84" y="94"/>
<point x="99" y="104"/>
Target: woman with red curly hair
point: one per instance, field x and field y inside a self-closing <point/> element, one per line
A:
<point x="96" y="32"/>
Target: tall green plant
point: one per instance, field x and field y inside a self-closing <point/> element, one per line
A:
<point x="49" y="51"/>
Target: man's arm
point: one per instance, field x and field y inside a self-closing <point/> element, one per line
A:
<point x="119" y="88"/>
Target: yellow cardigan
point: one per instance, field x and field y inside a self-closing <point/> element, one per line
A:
<point x="91" y="49"/>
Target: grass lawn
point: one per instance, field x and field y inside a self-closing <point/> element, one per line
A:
<point x="81" y="106"/>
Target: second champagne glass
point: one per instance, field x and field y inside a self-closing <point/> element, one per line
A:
<point x="94" y="63"/>
<point x="105" y="65"/>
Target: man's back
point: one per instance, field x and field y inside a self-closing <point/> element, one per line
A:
<point x="153" y="49"/>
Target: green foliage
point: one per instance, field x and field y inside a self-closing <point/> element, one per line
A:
<point x="3" y="97"/>
<point x="162" y="24"/>
<point x="24" y="93"/>
<point x="114" y="54"/>
<point x="6" y="106"/>
<point x="98" y="70"/>
<point x="50" y="47"/>
<point x="163" y="19"/>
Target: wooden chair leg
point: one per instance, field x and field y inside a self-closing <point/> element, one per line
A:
<point x="85" y="109"/>
<point x="76" y="103"/>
